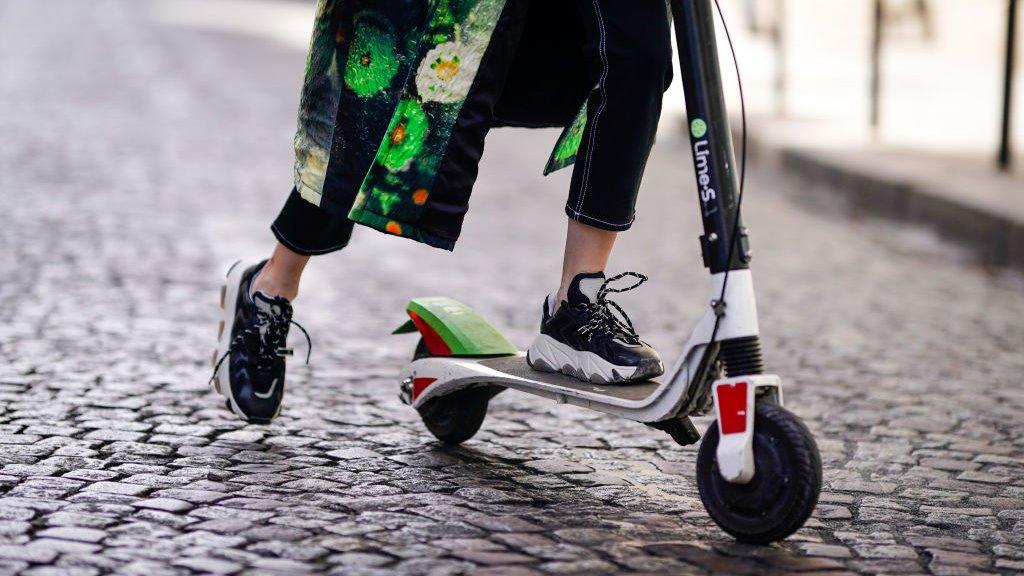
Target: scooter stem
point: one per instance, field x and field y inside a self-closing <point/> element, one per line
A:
<point x="710" y="136"/>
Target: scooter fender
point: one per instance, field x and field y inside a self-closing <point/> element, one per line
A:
<point x="450" y="328"/>
<point x="455" y="335"/>
<point x="735" y="400"/>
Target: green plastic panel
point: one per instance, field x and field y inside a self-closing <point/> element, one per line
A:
<point x="464" y="330"/>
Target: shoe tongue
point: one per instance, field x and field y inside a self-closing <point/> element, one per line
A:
<point x="274" y="305"/>
<point x="584" y="287"/>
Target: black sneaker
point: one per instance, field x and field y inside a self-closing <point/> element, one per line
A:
<point x="249" y="360"/>
<point x="586" y="340"/>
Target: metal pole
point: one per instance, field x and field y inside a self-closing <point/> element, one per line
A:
<point x="1005" y="148"/>
<point x="710" y="137"/>
<point x="876" y="65"/>
<point x="779" y="40"/>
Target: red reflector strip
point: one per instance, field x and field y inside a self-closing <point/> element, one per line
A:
<point x="732" y="407"/>
<point x="431" y="338"/>
<point x="420" y="384"/>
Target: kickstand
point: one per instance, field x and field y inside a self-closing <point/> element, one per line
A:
<point x="680" y="428"/>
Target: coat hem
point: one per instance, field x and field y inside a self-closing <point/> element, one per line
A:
<point x="308" y="193"/>
<point x="403" y="229"/>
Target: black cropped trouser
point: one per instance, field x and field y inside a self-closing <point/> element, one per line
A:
<point x="628" y="50"/>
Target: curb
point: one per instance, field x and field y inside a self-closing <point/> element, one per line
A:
<point x="997" y="238"/>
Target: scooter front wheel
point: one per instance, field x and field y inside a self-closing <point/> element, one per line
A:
<point x="784" y="490"/>
<point x="456" y="417"/>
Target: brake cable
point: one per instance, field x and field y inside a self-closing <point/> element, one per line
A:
<point x="719" y="305"/>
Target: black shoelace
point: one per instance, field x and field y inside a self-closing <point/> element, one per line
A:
<point x="603" y="319"/>
<point x="267" y="337"/>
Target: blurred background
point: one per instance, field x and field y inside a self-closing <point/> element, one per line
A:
<point x="921" y="74"/>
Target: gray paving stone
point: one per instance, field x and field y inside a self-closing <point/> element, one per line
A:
<point x="12" y="530"/>
<point x="208" y="565"/>
<point x="108" y="434"/>
<point x="64" y="546"/>
<point x="73" y="533"/>
<point x="67" y="518"/>
<point x="118" y="488"/>
<point x="193" y="496"/>
<point x="829" y="512"/>
<point x="986" y="477"/>
<point x="558" y="466"/>
<point x="490" y="558"/>
<point x="888" y="551"/>
<point x="865" y="486"/>
<point x="943" y="543"/>
<point x="1012" y="565"/>
<point x="91" y="475"/>
<point x="351" y="453"/>
<point x="503" y="523"/>
<point x="359" y="560"/>
<point x="943" y="560"/>
<point x="824" y="550"/>
<point x="165" y="504"/>
<point x="34" y="554"/>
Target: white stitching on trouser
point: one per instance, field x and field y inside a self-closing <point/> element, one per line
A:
<point x="577" y="214"/>
<point x="602" y="52"/>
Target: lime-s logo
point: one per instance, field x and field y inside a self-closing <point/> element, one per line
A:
<point x="698" y="128"/>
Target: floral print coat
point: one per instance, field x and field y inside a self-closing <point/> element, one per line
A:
<point x="399" y="95"/>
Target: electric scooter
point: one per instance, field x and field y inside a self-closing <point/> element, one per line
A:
<point x="758" y="468"/>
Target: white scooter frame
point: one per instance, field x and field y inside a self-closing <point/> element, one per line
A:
<point x="432" y="377"/>
<point x="758" y="469"/>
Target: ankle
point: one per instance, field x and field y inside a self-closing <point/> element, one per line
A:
<point x="272" y="283"/>
<point x="281" y="274"/>
<point x="567" y="278"/>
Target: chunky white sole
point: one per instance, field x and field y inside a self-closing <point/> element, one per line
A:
<point x="549" y="355"/>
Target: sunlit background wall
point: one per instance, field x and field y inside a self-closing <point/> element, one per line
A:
<point x="940" y="63"/>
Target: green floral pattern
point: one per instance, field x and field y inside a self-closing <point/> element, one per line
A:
<point x="417" y="137"/>
<point x="402" y="70"/>
<point x="372" y="61"/>
<point x="568" y="143"/>
<point x="405" y="136"/>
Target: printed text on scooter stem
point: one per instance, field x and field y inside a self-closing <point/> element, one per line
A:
<point x="707" y="193"/>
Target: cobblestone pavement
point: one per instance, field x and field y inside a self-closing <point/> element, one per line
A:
<point x="137" y="159"/>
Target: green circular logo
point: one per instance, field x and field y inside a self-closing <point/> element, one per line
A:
<point x="698" y="128"/>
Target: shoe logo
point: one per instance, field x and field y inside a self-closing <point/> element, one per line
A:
<point x="268" y="393"/>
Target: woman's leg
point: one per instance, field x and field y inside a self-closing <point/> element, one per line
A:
<point x="582" y="333"/>
<point x="586" y="250"/>
<point x="257" y="312"/>
<point x="256" y="297"/>
<point x="281" y="274"/>
<point x="302" y="230"/>
<point x="630" y="51"/>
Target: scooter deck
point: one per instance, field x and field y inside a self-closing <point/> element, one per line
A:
<point x="517" y="367"/>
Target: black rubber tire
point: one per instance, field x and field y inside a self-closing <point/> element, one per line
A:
<point x="456" y="417"/>
<point x="784" y="490"/>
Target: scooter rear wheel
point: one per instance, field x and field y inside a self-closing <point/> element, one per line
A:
<point x="784" y="490"/>
<point x="456" y="417"/>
